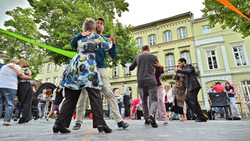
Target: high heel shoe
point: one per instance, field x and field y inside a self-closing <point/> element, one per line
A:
<point x="104" y="128"/>
<point x="58" y="128"/>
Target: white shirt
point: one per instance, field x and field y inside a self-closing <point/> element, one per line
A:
<point x="169" y="95"/>
<point x="8" y="77"/>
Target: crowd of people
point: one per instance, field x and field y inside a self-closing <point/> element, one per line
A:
<point x="86" y="76"/>
<point x="218" y="88"/>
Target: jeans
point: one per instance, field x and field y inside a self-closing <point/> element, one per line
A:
<point x="232" y="102"/>
<point x="42" y="108"/>
<point x="17" y="111"/>
<point x="7" y="95"/>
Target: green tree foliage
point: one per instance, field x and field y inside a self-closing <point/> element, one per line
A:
<point x="63" y="19"/>
<point x="22" y="24"/>
<point x="215" y="12"/>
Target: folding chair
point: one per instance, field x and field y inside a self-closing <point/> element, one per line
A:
<point x="219" y="100"/>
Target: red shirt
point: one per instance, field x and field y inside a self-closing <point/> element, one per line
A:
<point x="166" y="98"/>
<point x="218" y="88"/>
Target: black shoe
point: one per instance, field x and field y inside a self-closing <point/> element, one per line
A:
<point x="200" y="120"/>
<point x="58" y="128"/>
<point x="152" y="121"/>
<point x="122" y="124"/>
<point x="77" y="126"/>
<point x="15" y="119"/>
<point x="146" y="122"/>
<point x="104" y="128"/>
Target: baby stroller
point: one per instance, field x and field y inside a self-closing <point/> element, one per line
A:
<point x="219" y="100"/>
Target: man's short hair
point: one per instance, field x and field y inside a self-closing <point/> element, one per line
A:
<point x="124" y="82"/>
<point x="182" y="60"/>
<point x="101" y="19"/>
<point x="145" y="47"/>
<point x="14" y="61"/>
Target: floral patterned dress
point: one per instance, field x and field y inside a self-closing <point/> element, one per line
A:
<point x="81" y="71"/>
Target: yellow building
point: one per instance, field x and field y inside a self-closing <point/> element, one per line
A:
<point x="222" y="56"/>
<point x="50" y="72"/>
<point x="169" y="39"/>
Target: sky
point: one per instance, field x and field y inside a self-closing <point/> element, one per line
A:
<point x="140" y="11"/>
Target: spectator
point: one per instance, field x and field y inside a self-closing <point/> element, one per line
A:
<point x="168" y="99"/>
<point x="218" y="88"/>
<point x="42" y="102"/>
<point x="230" y="92"/>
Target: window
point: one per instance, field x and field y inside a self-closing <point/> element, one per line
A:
<point x="151" y="39"/>
<point x="206" y="29"/>
<point x="186" y="55"/>
<point x="211" y="60"/>
<point x="57" y="67"/>
<point x="167" y="36"/>
<point x="245" y="86"/>
<point x="170" y="63"/>
<point x="116" y="71"/>
<point x="55" y="80"/>
<point x="239" y="56"/>
<point x="139" y="42"/>
<point x="127" y="72"/>
<point x="182" y="33"/>
<point x="47" y="79"/>
<point x="42" y="69"/>
<point x="49" y="68"/>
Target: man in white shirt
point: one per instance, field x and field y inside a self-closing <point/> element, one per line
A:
<point x="8" y="87"/>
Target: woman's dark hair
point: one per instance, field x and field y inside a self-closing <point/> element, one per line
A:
<point x="227" y="83"/>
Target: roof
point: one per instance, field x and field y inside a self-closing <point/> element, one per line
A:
<point x="165" y="19"/>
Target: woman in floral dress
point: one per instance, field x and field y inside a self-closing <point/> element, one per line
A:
<point x="81" y="73"/>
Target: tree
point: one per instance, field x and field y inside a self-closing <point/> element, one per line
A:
<point x="22" y="24"/>
<point x="62" y="20"/>
<point x="215" y="12"/>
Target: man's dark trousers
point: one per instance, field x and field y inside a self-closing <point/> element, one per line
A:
<point x="192" y="102"/>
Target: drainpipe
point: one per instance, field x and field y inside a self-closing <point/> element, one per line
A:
<point x="191" y="21"/>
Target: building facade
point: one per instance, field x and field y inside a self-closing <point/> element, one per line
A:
<point x="216" y="54"/>
<point x="222" y="56"/>
<point x="169" y="39"/>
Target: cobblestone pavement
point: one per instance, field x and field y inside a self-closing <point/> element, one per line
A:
<point x="216" y="130"/>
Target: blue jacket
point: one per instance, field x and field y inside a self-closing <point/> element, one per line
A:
<point x="101" y="53"/>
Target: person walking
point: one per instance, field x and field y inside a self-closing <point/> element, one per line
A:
<point x="193" y="87"/>
<point x="106" y="87"/>
<point x="42" y="103"/>
<point x="147" y="85"/>
<point x="126" y="100"/>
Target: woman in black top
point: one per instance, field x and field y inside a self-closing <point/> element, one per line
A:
<point x="58" y="100"/>
<point x="230" y="92"/>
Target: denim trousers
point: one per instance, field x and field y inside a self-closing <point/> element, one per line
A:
<point x="42" y="108"/>
<point x="7" y="95"/>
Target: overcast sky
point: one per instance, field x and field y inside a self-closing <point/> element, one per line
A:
<point x="140" y="11"/>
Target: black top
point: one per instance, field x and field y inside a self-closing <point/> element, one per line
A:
<point x="59" y="96"/>
<point x="228" y="89"/>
